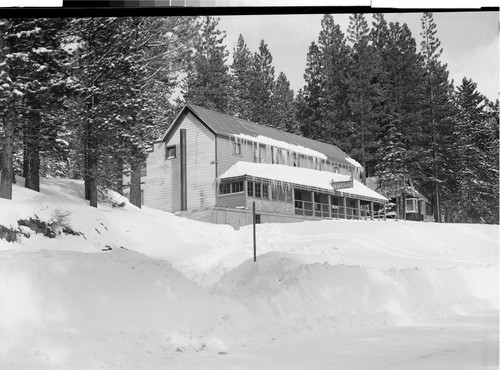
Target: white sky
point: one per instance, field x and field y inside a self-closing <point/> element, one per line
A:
<point x="469" y="39"/>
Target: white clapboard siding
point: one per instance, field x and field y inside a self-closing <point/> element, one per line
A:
<point x="161" y="190"/>
<point x="163" y="184"/>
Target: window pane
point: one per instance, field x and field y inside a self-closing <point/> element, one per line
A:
<point x="265" y="192"/>
<point x="170" y="152"/>
<point x="236" y="148"/>
<point x="257" y="190"/>
<point x="237" y="186"/>
<point x="225" y="188"/>
<point x="250" y="188"/>
<point x="411" y="205"/>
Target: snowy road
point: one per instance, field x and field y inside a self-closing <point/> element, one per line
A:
<point x="464" y="343"/>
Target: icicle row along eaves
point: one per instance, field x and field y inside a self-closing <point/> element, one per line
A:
<point x="284" y="149"/>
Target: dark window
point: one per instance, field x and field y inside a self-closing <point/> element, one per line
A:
<point x="170" y="152"/>
<point x="265" y="191"/>
<point x="257" y="190"/>
<point x="257" y="219"/>
<point x="236" y="148"/>
<point x="225" y="188"/>
<point x="237" y="187"/>
<point x="316" y="197"/>
<point x="144" y="171"/>
<point x="250" y="188"/>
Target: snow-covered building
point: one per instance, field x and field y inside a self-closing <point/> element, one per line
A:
<point x="213" y="167"/>
<point x="412" y="204"/>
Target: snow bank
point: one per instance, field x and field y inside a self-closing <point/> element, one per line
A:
<point x="141" y="288"/>
<point x="81" y="310"/>
<point x="321" y="296"/>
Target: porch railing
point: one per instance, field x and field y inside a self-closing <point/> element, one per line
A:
<point x="305" y="208"/>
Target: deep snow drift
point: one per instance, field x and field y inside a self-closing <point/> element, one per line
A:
<point x="147" y="289"/>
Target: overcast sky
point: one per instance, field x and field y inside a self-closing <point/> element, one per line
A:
<point x="469" y="39"/>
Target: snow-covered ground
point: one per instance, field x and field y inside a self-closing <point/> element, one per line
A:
<point x="145" y="289"/>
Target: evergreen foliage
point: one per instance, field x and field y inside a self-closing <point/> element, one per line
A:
<point x="283" y="112"/>
<point x="363" y="94"/>
<point x="476" y="147"/>
<point x="208" y="82"/>
<point x="242" y="79"/>
<point x="262" y="86"/>
<point x="325" y="115"/>
<point x="84" y="98"/>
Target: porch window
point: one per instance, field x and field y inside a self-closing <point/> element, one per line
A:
<point x="411" y="205"/>
<point x="144" y="171"/>
<point x="231" y="187"/>
<point x="250" y="188"/>
<point x="237" y="187"/>
<point x="257" y="190"/>
<point x="225" y="188"/>
<point x="265" y="191"/>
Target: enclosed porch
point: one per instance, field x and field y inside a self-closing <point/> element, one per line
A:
<point x="286" y="198"/>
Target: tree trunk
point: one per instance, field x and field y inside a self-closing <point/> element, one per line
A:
<point x="86" y="177"/>
<point x="92" y="171"/>
<point x="91" y="162"/>
<point x="32" y="155"/>
<point x="404" y="205"/>
<point x="7" y="166"/>
<point x="119" y="180"/>
<point x="135" y="184"/>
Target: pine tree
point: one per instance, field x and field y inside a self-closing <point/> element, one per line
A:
<point x="400" y="80"/>
<point x="242" y="76"/>
<point x="477" y="170"/>
<point x="363" y="93"/>
<point x="308" y="100"/>
<point x="108" y="78"/>
<point x="326" y="91"/>
<point x="262" y="86"/>
<point x="46" y="70"/>
<point x="283" y="113"/>
<point x="19" y="63"/>
<point x="391" y="167"/>
<point x="437" y="111"/>
<point x="208" y="82"/>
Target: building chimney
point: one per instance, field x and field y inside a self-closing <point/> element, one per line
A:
<point x="183" y="170"/>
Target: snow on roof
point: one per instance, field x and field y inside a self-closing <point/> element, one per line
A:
<point x="300" y="176"/>
<point x="281" y="144"/>
<point x="225" y="125"/>
<point x="353" y="162"/>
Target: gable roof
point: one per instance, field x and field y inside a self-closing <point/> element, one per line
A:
<point x="225" y="125"/>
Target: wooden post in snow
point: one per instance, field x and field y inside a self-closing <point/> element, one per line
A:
<point x="254" y="241"/>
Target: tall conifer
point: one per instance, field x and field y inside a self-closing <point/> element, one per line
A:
<point x="208" y="82"/>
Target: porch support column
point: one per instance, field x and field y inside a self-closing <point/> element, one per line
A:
<point x="385" y="207"/>
<point x="371" y="210"/>
<point x="329" y="205"/>
<point x="312" y="201"/>
<point x="245" y="192"/>
<point x="345" y="206"/>
<point x="358" y="206"/>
